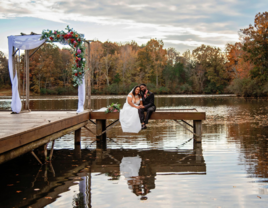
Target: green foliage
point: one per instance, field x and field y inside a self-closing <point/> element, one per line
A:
<point x="117" y="78"/>
<point x="246" y="87"/>
<point x="186" y="88"/>
<point x="114" y="107"/>
<point x="4" y="74"/>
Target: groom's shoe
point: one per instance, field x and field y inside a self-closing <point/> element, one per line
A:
<point x="143" y="126"/>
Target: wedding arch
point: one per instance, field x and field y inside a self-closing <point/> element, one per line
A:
<point x="80" y="74"/>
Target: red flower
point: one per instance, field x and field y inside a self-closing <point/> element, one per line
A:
<point x="72" y="40"/>
<point x="75" y="74"/>
<point x="72" y="33"/>
<point x="79" y="40"/>
<point x="51" y="38"/>
<point x="77" y="65"/>
<point x="76" y="60"/>
<point x="76" y="54"/>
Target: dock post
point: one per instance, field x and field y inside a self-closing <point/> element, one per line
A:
<point x="45" y="152"/>
<point x="198" y="151"/>
<point x="77" y="136"/>
<point x="77" y="143"/>
<point x="198" y="130"/>
<point x="101" y="140"/>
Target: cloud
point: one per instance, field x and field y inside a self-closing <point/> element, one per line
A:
<point x="205" y="21"/>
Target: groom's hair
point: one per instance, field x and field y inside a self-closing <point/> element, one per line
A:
<point x="143" y="85"/>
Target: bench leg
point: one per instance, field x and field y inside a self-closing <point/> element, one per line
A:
<point x="101" y="140"/>
<point x="198" y="130"/>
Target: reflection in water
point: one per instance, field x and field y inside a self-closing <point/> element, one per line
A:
<point x="165" y="173"/>
<point x="41" y="186"/>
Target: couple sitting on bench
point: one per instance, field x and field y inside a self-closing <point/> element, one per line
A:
<point x="138" y="101"/>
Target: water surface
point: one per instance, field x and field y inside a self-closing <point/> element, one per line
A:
<point x="159" y="167"/>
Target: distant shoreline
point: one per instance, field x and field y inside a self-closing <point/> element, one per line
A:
<point x="74" y="97"/>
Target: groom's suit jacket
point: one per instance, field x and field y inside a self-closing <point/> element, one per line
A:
<point x="149" y="100"/>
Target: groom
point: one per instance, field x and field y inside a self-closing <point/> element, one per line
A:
<point x="148" y="105"/>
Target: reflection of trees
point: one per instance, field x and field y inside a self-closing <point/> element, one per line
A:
<point x="253" y="148"/>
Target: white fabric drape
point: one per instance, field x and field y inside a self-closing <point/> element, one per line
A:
<point x="81" y="96"/>
<point x="28" y="42"/>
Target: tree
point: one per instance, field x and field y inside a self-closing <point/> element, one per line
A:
<point x="236" y="65"/>
<point x="4" y="73"/>
<point x="66" y="68"/>
<point x="106" y="65"/>
<point x="152" y="60"/>
<point x="172" y="56"/>
<point x="95" y="61"/>
<point x="127" y="63"/>
<point x="212" y="60"/>
<point x="158" y="57"/>
<point x="255" y="39"/>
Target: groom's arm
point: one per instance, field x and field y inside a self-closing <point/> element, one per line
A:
<point x="151" y="103"/>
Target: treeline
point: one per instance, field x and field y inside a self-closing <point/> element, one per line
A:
<point x="241" y="68"/>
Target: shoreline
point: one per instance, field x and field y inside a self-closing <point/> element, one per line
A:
<point x="75" y="97"/>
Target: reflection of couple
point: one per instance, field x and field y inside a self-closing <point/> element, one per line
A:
<point x="138" y="101"/>
<point x="139" y="175"/>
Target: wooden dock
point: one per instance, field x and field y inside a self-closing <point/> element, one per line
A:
<point x="22" y="133"/>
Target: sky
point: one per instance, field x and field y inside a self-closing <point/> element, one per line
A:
<point x="180" y="24"/>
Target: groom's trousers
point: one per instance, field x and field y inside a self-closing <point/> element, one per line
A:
<point x="149" y="111"/>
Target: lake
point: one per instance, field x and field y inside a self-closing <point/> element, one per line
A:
<point x="159" y="167"/>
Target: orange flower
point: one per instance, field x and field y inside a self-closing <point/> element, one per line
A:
<point x="58" y="36"/>
<point x="76" y="35"/>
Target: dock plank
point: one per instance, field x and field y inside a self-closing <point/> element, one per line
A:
<point x="20" y="129"/>
<point x="159" y="114"/>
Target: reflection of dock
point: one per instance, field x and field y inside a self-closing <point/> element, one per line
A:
<point x="159" y="160"/>
<point x="73" y="168"/>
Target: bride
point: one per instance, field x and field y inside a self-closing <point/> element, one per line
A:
<point x="129" y="116"/>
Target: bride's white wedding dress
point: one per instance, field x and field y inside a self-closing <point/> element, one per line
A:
<point x="129" y="117"/>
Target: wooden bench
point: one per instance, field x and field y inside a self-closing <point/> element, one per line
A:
<point x="178" y="115"/>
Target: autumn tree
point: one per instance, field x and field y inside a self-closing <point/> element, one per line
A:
<point x="127" y="63"/>
<point x="255" y="44"/>
<point x="66" y="67"/>
<point x="236" y="64"/>
<point x="96" y="53"/>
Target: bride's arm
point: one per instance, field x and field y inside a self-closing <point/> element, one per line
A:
<point x="129" y="100"/>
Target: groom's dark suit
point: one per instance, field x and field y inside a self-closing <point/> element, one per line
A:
<point x="148" y="103"/>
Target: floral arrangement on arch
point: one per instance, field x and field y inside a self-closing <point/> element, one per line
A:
<point x="114" y="107"/>
<point x="75" y="41"/>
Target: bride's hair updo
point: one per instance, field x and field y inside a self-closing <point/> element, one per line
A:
<point x="133" y="91"/>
